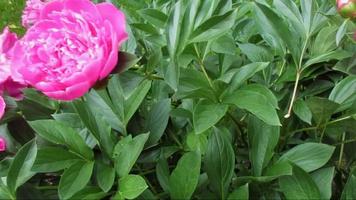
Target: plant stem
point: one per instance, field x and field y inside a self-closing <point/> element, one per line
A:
<point x="293" y="95"/>
<point x="299" y="72"/>
<point x="341" y="150"/>
<point x="201" y="65"/>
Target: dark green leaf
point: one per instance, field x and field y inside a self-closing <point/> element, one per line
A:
<point x="60" y="133"/>
<point x="219" y="161"/>
<point x="20" y="169"/>
<point x="263" y="138"/>
<point x="47" y="162"/>
<point x="206" y="115"/>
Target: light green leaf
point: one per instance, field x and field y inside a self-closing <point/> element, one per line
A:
<point x="333" y="55"/>
<point x="134" y="100"/>
<point x="214" y="27"/>
<point x="309" y="156"/>
<point x="345" y="91"/>
<point x="154" y="17"/>
<point x="341" y="32"/>
<point x="302" y="110"/>
<point x="131" y="186"/>
<point x="323" y="178"/>
<point x="74" y="179"/>
<point x="126" y="153"/>
<point x="240" y="193"/>
<point x="105" y="176"/>
<point x="299" y="186"/>
<point x="184" y="178"/>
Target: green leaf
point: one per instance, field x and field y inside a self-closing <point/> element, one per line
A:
<point x="349" y="191"/>
<point x="47" y="162"/>
<point x="256" y="53"/>
<point x="90" y="192"/>
<point x="275" y="30"/>
<point x="154" y="17"/>
<point x="162" y="173"/>
<point x="60" y="133"/>
<point x="333" y="55"/>
<point x="345" y="91"/>
<point x="236" y="77"/>
<point x="302" y="110"/>
<point x="240" y="193"/>
<point x="251" y="99"/>
<point x="321" y="108"/>
<point x="126" y="153"/>
<point x="174" y="28"/>
<point x="184" y="178"/>
<point x="263" y="138"/>
<point x="74" y="179"/>
<point x="131" y="186"/>
<point x="105" y="176"/>
<point x="309" y="156"/>
<point x="20" y="169"/>
<point x="134" y="100"/>
<point x="323" y="178"/>
<point x="341" y="32"/>
<point x="290" y="10"/>
<point x="157" y="120"/>
<point x="193" y="84"/>
<point x="219" y="161"/>
<point x="299" y="186"/>
<point x="324" y="41"/>
<point x="214" y="27"/>
<point x="97" y="124"/>
<point x="206" y="115"/>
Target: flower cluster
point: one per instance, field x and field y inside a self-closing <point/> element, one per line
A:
<point x="69" y="45"/>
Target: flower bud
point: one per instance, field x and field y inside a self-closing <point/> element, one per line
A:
<point x="2" y="144"/>
<point x="347" y="8"/>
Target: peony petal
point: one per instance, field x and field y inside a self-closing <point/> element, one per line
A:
<point x="2" y="107"/>
<point x="70" y="93"/>
<point x="81" y="6"/>
<point x="116" y="18"/>
<point x="53" y="6"/>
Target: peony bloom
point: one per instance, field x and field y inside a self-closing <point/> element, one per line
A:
<point x="347" y="8"/>
<point x="32" y="12"/>
<point x="7" y="84"/>
<point x="2" y="144"/>
<point x="73" y="44"/>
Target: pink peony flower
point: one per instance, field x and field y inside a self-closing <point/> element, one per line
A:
<point x="7" y="84"/>
<point x="32" y="12"/>
<point x="73" y="44"/>
<point x="2" y="144"/>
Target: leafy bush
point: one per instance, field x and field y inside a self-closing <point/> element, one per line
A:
<point x="219" y="99"/>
